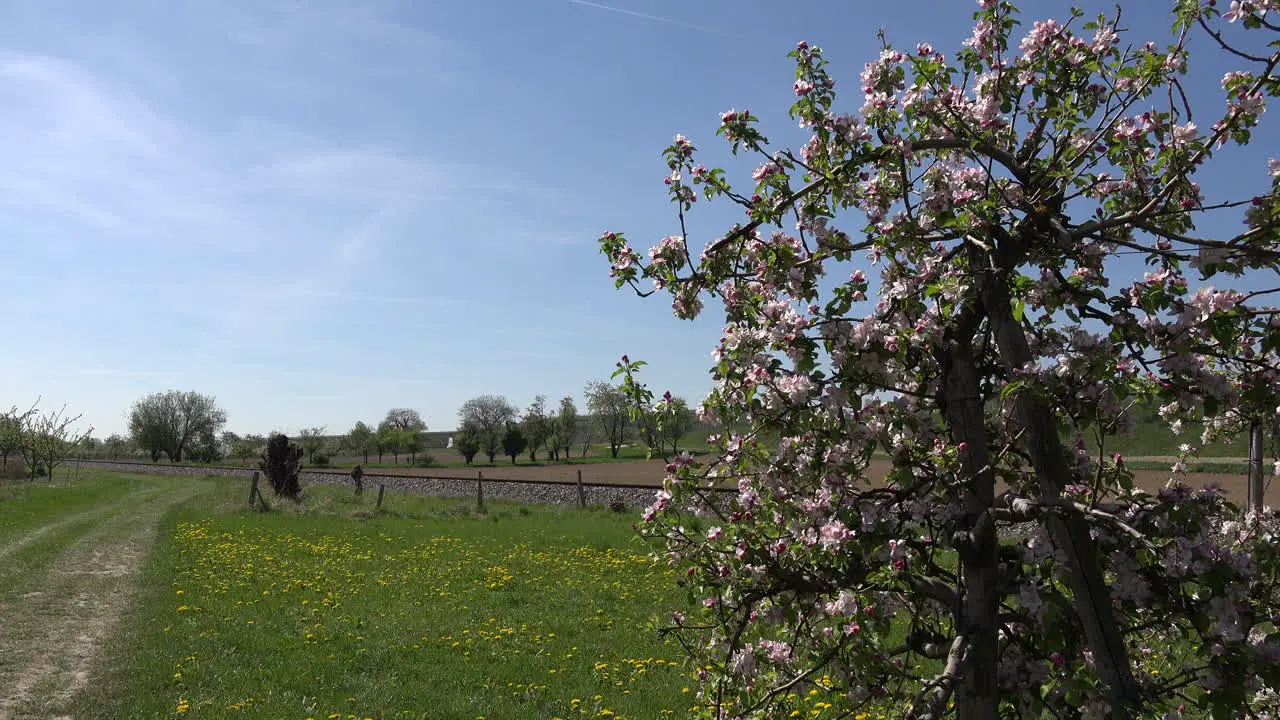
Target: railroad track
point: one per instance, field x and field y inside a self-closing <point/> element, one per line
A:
<point x="524" y="490"/>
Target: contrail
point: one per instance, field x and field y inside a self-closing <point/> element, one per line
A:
<point x="654" y="18"/>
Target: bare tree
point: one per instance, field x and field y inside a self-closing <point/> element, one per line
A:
<point x="568" y="424"/>
<point x="115" y="445"/>
<point x="405" y="419"/>
<point x="311" y="439"/>
<point x="611" y="410"/>
<point x="586" y="432"/>
<point x="172" y="421"/>
<point x="12" y="423"/>
<point x="49" y="439"/>
<point x="490" y="415"/>
<point x="535" y="426"/>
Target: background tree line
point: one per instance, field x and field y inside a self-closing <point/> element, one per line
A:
<point x="189" y="426"/>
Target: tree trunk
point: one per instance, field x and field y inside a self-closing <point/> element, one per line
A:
<point x="1070" y="530"/>
<point x="1255" y="466"/>
<point x="977" y="689"/>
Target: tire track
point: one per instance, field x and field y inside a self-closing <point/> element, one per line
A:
<point x="53" y="635"/>
<point x="22" y="541"/>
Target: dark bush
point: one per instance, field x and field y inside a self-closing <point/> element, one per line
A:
<point x="280" y="463"/>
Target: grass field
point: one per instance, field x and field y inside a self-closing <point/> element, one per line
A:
<point x="424" y="610"/>
<point x="134" y="596"/>
<point x="69" y="557"/>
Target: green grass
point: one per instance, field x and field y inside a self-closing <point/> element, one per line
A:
<point x="27" y="505"/>
<point x="1154" y="438"/>
<point x="1198" y="466"/>
<point x="40" y="520"/>
<point x="424" y="610"/>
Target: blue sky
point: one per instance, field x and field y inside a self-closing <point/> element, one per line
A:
<point x="317" y="210"/>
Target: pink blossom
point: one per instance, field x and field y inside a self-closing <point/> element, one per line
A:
<point x="834" y="533"/>
<point x="779" y="653"/>
<point x="983" y="37"/>
<point x="1184" y="133"/>
<point x="846" y="604"/>
<point x="1103" y="38"/>
<point x="1042" y="34"/>
<point x="1235" y="78"/>
<point x="1250" y="104"/>
<point x="766" y="171"/>
<point x="743" y="662"/>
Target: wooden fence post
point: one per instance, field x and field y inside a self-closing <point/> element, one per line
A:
<point x="582" y="493"/>
<point x="479" y="491"/>
<point x="253" y="488"/>
<point x="381" y="489"/>
<point x="1255" y="466"/>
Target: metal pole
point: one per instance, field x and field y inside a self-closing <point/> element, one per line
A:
<point x="1255" y="466"/>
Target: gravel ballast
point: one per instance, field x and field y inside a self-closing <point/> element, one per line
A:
<point x="518" y="491"/>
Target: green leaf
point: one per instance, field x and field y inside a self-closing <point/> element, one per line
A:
<point x="1019" y="309"/>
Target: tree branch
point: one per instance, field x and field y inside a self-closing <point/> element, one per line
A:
<point x="939" y="689"/>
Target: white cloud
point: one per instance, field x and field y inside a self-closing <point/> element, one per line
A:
<point x="226" y="207"/>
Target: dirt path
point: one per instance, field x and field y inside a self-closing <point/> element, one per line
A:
<point x="56" y="623"/>
<point x="88" y="517"/>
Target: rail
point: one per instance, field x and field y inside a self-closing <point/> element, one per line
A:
<point x="373" y="477"/>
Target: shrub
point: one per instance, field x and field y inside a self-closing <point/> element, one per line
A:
<point x="280" y="465"/>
